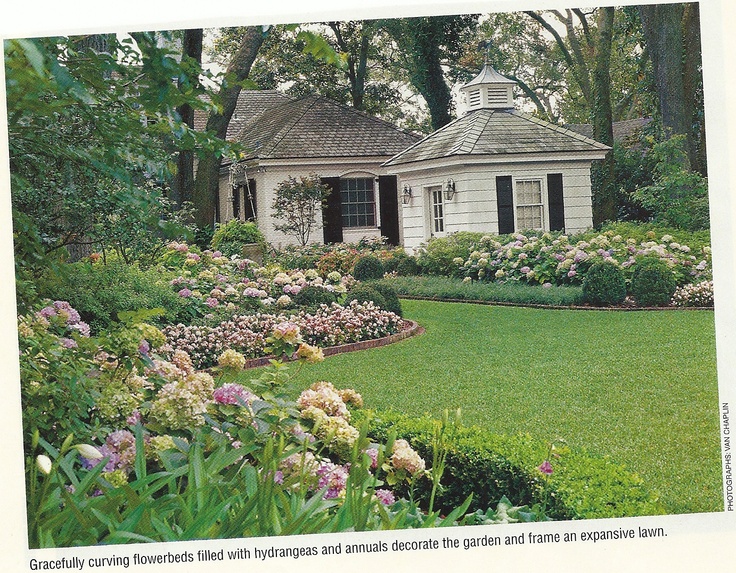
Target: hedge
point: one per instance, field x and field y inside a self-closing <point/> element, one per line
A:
<point x="490" y="466"/>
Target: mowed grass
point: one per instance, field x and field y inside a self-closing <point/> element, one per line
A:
<point x="639" y="387"/>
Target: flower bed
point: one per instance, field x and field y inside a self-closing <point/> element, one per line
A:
<point x="555" y="259"/>
<point x="255" y="461"/>
<point x="330" y="326"/>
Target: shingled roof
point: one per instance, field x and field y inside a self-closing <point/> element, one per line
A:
<point x="251" y="104"/>
<point x="623" y="131"/>
<point x="489" y="132"/>
<point x="317" y="127"/>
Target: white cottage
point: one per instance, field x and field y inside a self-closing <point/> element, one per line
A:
<point x="296" y="137"/>
<point x="495" y="170"/>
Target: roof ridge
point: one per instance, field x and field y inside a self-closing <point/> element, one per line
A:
<point x="286" y="129"/>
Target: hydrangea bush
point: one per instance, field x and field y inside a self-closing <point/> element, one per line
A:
<point x="698" y="295"/>
<point x="557" y="259"/>
<point x="329" y="326"/>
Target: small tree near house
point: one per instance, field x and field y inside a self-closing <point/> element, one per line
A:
<point x="296" y="204"/>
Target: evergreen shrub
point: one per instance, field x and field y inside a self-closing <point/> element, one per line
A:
<point x="368" y="267"/>
<point x="393" y="304"/>
<point x="604" y="284"/>
<point x="313" y="296"/>
<point x="230" y="238"/>
<point x="652" y="283"/>
<point x="364" y="293"/>
<point x="490" y="466"/>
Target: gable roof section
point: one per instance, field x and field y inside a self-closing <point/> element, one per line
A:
<point x="317" y="127"/>
<point x="251" y="104"/>
<point x="485" y="132"/>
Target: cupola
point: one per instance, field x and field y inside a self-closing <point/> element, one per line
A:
<point x="489" y="90"/>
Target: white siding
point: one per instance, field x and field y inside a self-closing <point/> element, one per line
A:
<point x="269" y="176"/>
<point x="474" y="206"/>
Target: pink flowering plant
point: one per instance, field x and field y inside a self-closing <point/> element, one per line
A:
<point x="255" y="335"/>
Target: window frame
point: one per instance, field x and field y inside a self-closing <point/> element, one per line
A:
<point x="345" y="216"/>
<point x="542" y="204"/>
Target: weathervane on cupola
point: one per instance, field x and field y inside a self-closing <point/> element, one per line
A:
<point x="489" y="89"/>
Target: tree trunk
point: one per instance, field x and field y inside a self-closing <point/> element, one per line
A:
<point x="693" y="84"/>
<point x="427" y="75"/>
<point x="183" y="185"/>
<point x="206" y="184"/>
<point x="662" y="27"/>
<point x="604" y="199"/>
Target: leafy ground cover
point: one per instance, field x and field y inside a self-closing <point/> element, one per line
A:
<point x="509" y="292"/>
<point x="640" y="387"/>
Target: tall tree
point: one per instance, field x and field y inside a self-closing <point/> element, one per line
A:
<point x="208" y="170"/>
<point x="182" y="188"/>
<point x="672" y="35"/>
<point x="586" y="48"/>
<point x="426" y="46"/>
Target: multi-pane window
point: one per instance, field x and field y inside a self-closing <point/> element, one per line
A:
<point x="529" y="207"/>
<point x="438" y="210"/>
<point x="358" y="202"/>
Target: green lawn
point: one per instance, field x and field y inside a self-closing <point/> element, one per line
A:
<point x="637" y="386"/>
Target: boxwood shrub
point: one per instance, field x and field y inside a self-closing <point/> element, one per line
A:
<point x="365" y="293"/>
<point x="604" y="284"/>
<point x="367" y="268"/>
<point x="489" y="466"/>
<point x="393" y="304"/>
<point x="652" y="283"/>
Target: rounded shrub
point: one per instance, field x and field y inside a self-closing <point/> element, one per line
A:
<point x="363" y="293"/>
<point x="652" y="283"/>
<point x="604" y="284"/>
<point x="313" y="297"/>
<point x="231" y="237"/>
<point x="368" y="268"/>
<point x="393" y="304"/>
<point x="407" y="267"/>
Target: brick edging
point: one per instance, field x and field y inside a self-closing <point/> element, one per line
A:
<point x="411" y="329"/>
<point x="551" y="306"/>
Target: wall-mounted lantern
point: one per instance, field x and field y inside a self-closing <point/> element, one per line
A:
<point x="406" y="194"/>
<point x="449" y="189"/>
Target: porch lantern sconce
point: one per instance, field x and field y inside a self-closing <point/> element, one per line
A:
<point x="406" y="194"/>
<point x="449" y="189"/>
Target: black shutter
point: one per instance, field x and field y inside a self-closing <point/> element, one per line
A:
<point x="332" y="212"/>
<point x="505" y="203"/>
<point x="556" y="203"/>
<point x="387" y="189"/>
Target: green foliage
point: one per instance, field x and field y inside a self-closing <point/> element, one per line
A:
<point x="652" y="283"/>
<point x="99" y="291"/>
<point x="407" y="266"/>
<point x="509" y="292"/>
<point x="230" y="237"/>
<point x="491" y="466"/>
<point x="311" y="297"/>
<point x="365" y="293"/>
<point x="296" y="203"/>
<point x="437" y="255"/>
<point x="391" y="298"/>
<point x="604" y="284"/>
<point x="56" y="389"/>
<point x="368" y="268"/>
<point x="89" y="154"/>
<point x="678" y="196"/>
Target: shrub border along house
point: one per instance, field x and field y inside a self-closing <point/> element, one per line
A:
<point x="490" y="466"/>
